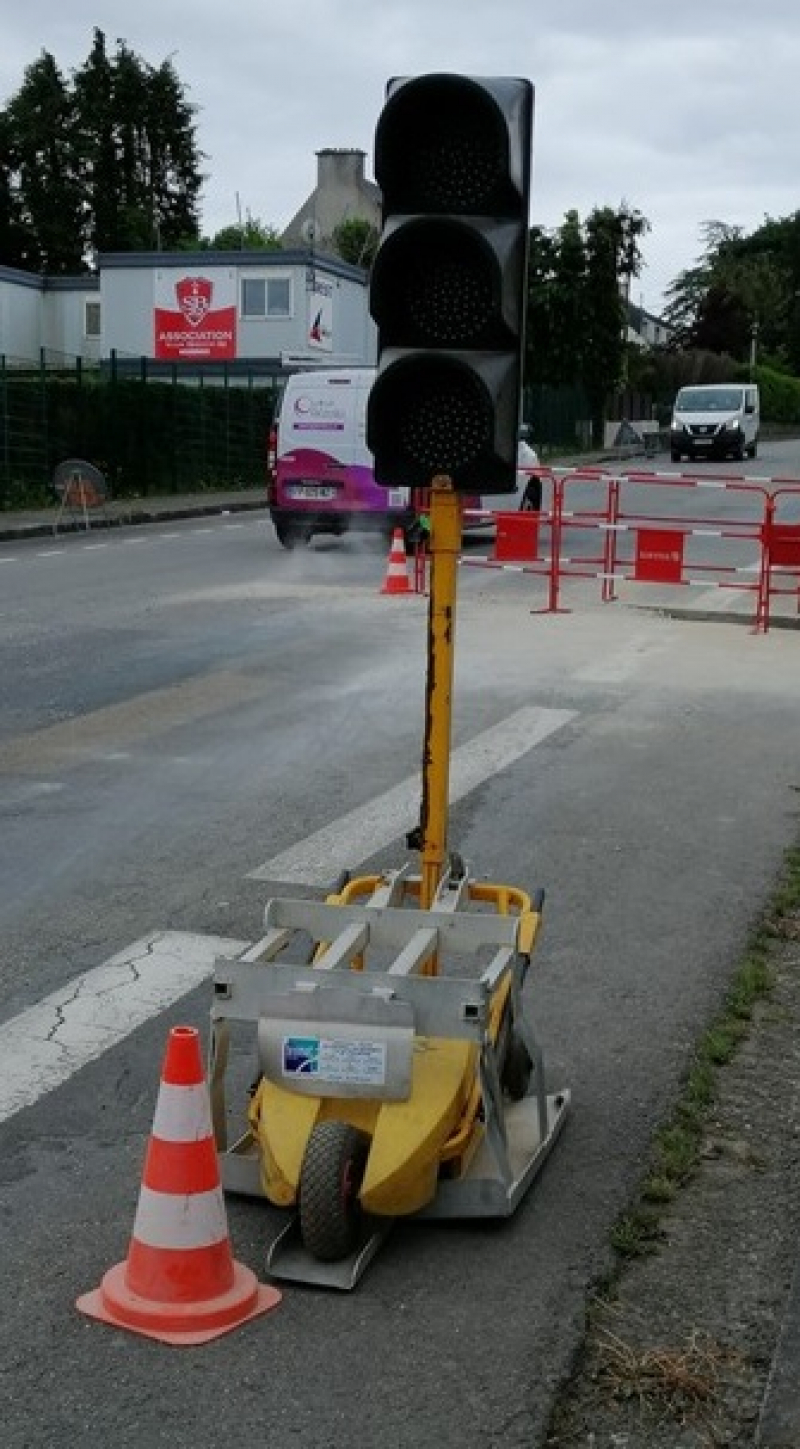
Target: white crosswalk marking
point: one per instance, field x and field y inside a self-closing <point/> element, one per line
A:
<point x="371" y="827"/>
<point x="43" y="1046"/>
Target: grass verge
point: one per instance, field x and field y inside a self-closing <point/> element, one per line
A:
<point x="678" y="1382"/>
<point x="678" y="1143"/>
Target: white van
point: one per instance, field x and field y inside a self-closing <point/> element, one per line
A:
<point x="323" y="480"/>
<point x="718" y="420"/>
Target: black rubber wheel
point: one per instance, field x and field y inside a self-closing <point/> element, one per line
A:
<point x="330" y="1180"/>
<point x="515" y="1073"/>
<point x="675" y="455"/>
<point x="289" y="535"/>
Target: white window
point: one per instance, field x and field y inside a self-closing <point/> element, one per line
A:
<point x="91" y="319"/>
<point x="266" y="297"/>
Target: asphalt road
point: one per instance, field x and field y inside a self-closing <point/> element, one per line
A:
<point x="181" y="706"/>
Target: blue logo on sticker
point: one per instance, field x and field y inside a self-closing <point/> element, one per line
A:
<point x="300" y="1056"/>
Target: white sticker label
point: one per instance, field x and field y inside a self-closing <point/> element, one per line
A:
<point x="358" y="1063"/>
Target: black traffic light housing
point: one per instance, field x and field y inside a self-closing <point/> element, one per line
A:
<point x="452" y="159"/>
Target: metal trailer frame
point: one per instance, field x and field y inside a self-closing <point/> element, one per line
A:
<point x="422" y="1061"/>
<point x="273" y="988"/>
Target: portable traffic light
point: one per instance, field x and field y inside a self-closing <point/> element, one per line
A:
<point x="452" y="159"/>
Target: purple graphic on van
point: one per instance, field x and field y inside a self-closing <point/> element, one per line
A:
<point x="308" y="480"/>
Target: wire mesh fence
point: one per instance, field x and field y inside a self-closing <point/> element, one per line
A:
<point x="558" y="417"/>
<point x="150" y="428"/>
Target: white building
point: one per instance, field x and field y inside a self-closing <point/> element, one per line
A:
<point x="237" y="312"/>
<point x="50" y="316"/>
<point x="645" y="329"/>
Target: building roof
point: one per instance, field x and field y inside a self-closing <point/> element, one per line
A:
<point x="259" y="257"/>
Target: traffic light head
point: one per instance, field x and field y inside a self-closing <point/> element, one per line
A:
<point x="455" y="144"/>
<point x="452" y="158"/>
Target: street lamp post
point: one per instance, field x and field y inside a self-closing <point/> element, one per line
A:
<point x="753" y="346"/>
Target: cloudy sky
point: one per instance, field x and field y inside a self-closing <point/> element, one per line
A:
<point x="688" y="112"/>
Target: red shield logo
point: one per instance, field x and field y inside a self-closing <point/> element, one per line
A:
<point x="194" y="299"/>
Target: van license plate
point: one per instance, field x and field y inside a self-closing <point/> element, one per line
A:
<point x="310" y="490"/>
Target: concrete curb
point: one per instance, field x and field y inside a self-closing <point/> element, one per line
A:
<point x="715" y="616"/>
<point x="44" y="527"/>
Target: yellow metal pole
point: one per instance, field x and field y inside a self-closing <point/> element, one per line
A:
<point x="445" y="546"/>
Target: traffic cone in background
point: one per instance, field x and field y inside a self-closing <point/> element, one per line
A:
<point x="180" y="1283"/>
<point x="397" y="580"/>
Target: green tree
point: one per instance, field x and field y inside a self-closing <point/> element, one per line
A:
<point x="42" y="182"/>
<point x="763" y="271"/>
<point x="723" y="322"/>
<point x="252" y="235"/>
<point x="17" y="242"/>
<point x="139" y="152"/>
<point x="540" y="324"/>
<point x="107" y="162"/>
<point x="578" y="280"/>
<point x="356" y="241"/>
<point x="613" y="258"/>
<point x="568" y="287"/>
<point x="739" y="286"/>
<point x="94" y="102"/>
<point x="173" y="176"/>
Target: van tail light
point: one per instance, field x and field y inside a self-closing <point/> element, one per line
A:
<point x="272" y="459"/>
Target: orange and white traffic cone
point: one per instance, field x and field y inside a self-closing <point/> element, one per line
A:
<point x="180" y="1283"/>
<point x="397" y="580"/>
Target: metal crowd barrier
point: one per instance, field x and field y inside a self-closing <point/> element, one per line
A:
<point x="613" y="527"/>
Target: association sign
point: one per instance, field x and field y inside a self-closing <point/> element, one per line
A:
<point x="195" y="316"/>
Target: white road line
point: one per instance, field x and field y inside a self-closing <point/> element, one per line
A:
<point x="19" y="793"/>
<point x="354" y="837"/>
<point x="42" y="1047"/>
<point x="88" y="547"/>
<point x="9" y="559"/>
<point x="50" y="552"/>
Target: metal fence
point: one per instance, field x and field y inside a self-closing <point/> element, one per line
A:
<point x="150" y="428"/>
<point x="560" y="417"/>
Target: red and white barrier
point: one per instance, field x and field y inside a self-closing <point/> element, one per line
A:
<point x="615" y="527"/>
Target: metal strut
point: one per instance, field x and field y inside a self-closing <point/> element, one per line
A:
<point x="446" y="515"/>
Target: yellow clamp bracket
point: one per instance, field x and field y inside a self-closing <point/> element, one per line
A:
<point x="527" y="931"/>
